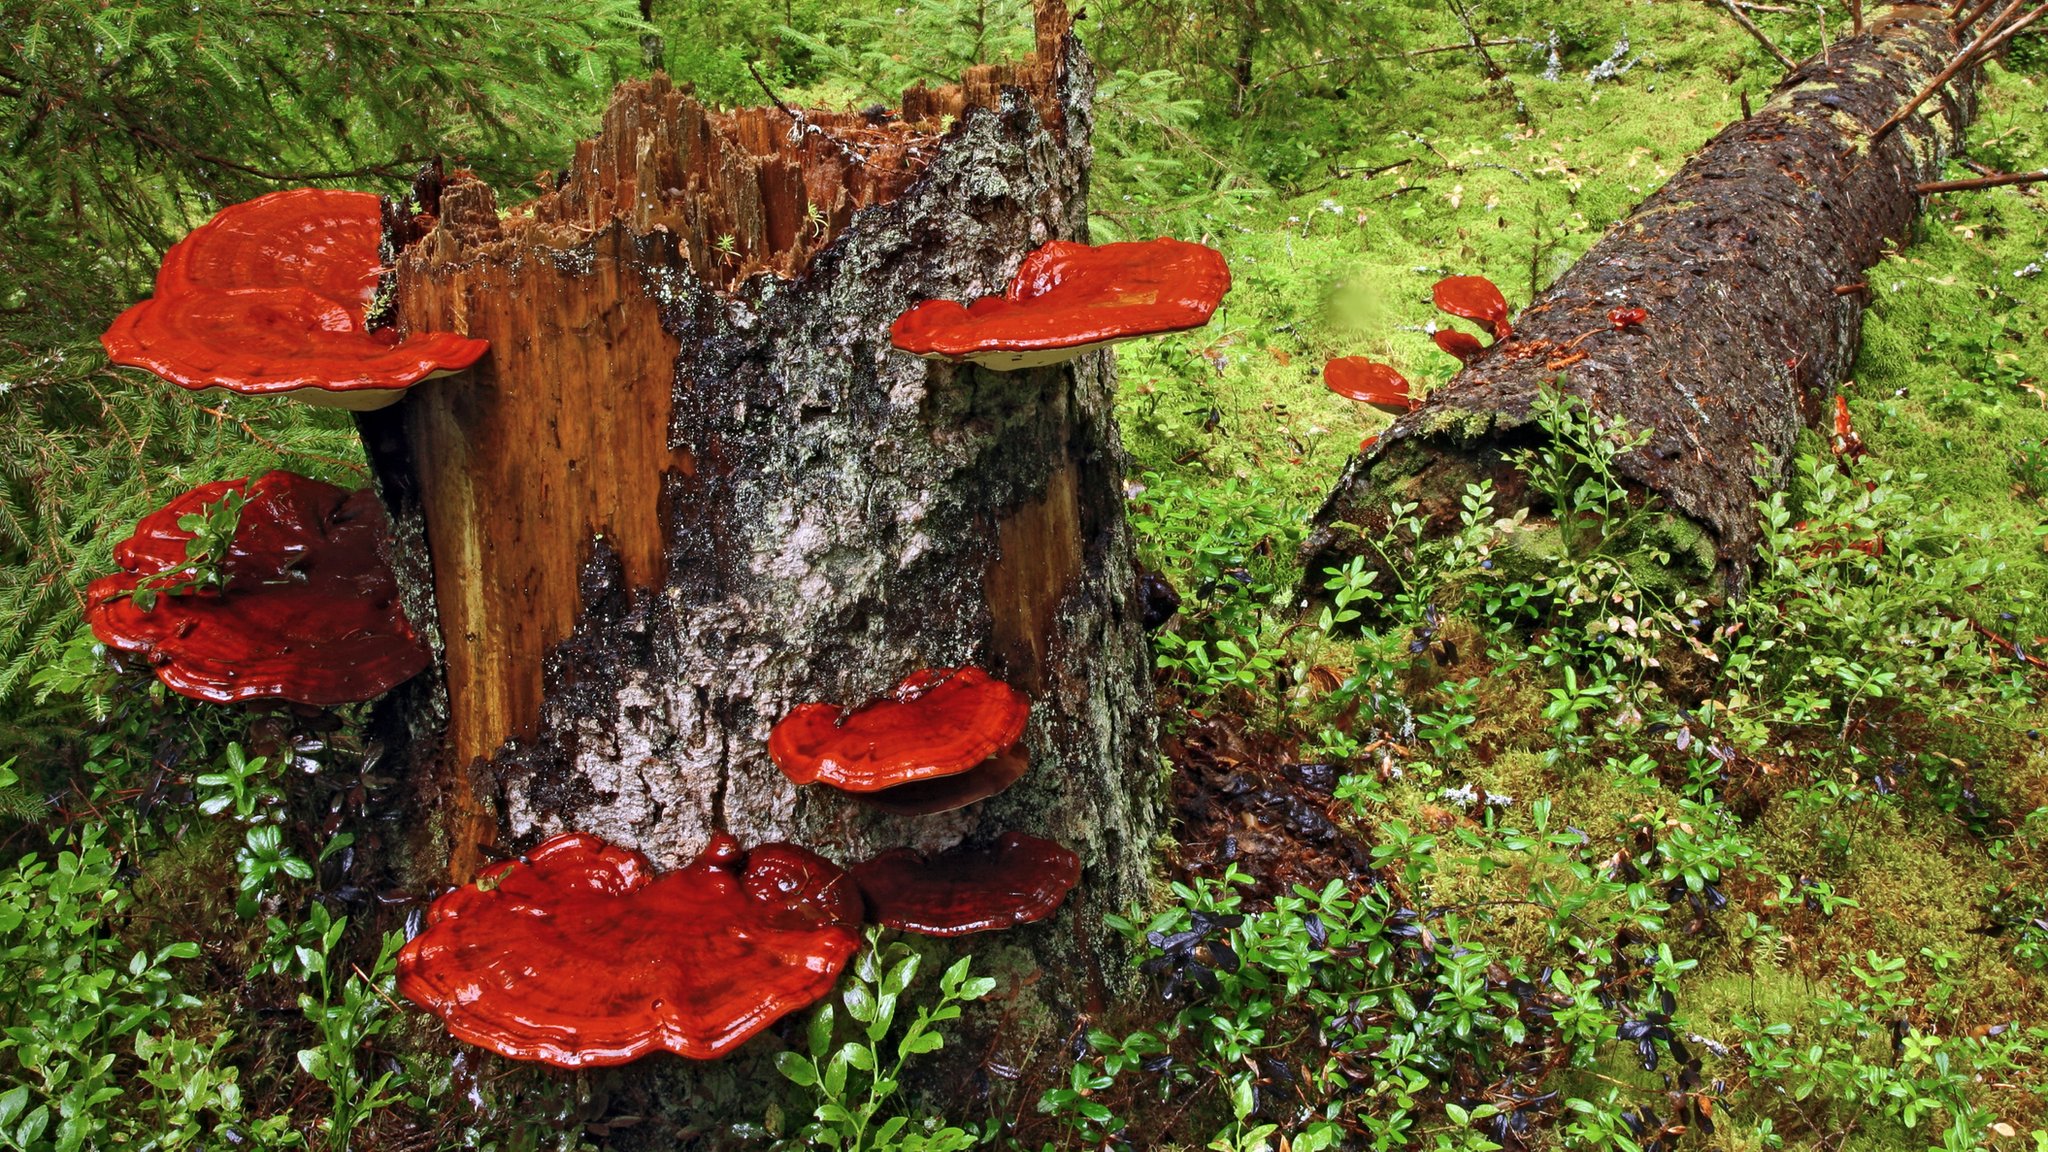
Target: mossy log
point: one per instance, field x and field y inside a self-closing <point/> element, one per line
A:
<point x="1749" y="263"/>
<point x="693" y="485"/>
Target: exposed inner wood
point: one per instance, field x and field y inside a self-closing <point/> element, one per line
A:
<point x="1039" y="561"/>
<point x="559" y="436"/>
<point x="562" y="435"/>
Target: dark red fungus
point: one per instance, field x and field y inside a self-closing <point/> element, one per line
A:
<point x="308" y="611"/>
<point x="945" y="793"/>
<point x="578" y="955"/>
<point x="1368" y="382"/>
<point x="269" y="298"/>
<point x="938" y="722"/>
<point x="1017" y="880"/>
<point x="1627" y="317"/>
<point x="1474" y="298"/>
<point x="1463" y="345"/>
<point x="1068" y="298"/>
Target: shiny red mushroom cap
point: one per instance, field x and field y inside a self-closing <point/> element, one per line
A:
<point x="308" y="610"/>
<point x="938" y="722"/>
<point x="1368" y="382"/>
<point x="579" y="955"/>
<point x="269" y="298"/>
<point x="1017" y="880"/>
<point x="1069" y="298"/>
<point x="1474" y="298"/>
<point x="1463" y="345"/>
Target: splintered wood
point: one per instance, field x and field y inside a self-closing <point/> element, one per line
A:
<point x="755" y="190"/>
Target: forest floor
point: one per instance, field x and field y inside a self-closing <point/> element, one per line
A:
<point x="1862" y="862"/>
<point x="1478" y="866"/>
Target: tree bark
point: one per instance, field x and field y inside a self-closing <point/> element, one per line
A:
<point x="1737" y="261"/>
<point x="692" y="485"/>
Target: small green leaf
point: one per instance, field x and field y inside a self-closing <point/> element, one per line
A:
<point x="860" y="1003"/>
<point x="796" y="1069"/>
<point x="821" y="1032"/>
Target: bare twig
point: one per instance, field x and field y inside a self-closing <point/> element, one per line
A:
<point x="1999" y="181"/>
<point x="800" y="125"/>
<point x="1750" y="27"/>
<point x="1976" y="13"/>
<point x="1369" y="173"/>
<point x="1997" y="32"/>
<point x="1493" y="70"/>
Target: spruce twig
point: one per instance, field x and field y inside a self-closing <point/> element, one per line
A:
<point x="1750" y="27"/>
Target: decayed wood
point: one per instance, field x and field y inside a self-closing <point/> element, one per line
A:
<point x="1736" y="261"/>
<point x="692" y="485"/>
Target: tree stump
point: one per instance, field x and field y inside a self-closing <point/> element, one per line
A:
<point x="1749" y="264"/>
<point x="692" y="485"/>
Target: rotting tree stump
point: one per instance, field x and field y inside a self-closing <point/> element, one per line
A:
<point x="692" y="486"/>
<point x="1749" y="263"/>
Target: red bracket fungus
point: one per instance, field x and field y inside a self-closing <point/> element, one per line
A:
<point x="1474" y="298"/>
<point x="930" y="745"/>
<point x="945" y="793"/>
<point x="1463" y="345"/>
<point x="578" y="955"/>
<point x="1018" y="880"/>
<point x="308" y="611"/>
<point x="269" y="298"/>
<point x="1069" y="298"/>
<point x="1368" y="382"/>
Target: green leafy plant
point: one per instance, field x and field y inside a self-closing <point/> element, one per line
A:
<point x="213" y="534"/>
<point x="349" y="1010"/>
<point x="853" y="1083"/>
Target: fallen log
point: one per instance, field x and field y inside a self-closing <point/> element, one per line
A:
<point x="1736" y="261"/>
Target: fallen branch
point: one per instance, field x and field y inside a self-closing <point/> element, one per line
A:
<point x="1976" y="13"/>
<point x="2001" y="180"/>
<point x="2009" y="645"/>
<point x="1750" y="27"/>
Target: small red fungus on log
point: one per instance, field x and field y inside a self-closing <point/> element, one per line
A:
<point x="938" y="722"/>
<point x="308" y="611"/>
<point x="269" y="298"/>
<point x="1069" y="298"/>
<point x="578" y="955"/>
<point x="1368" y="382"/>
<point x="1847" y="442"/>
<point x="1018" y="880"/>
<point x="1627" y="317"/>
<point x="1463" y="345"/>
<point x="1474" y="298"/>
